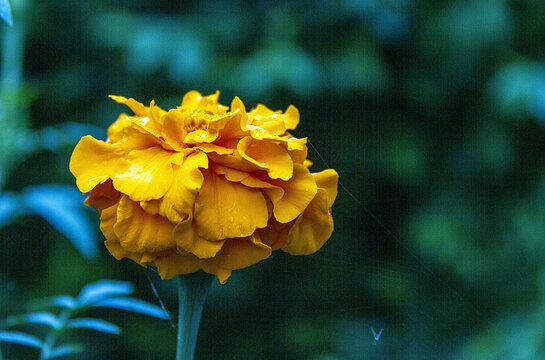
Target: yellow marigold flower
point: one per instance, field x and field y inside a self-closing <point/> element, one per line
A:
<point x="204" y="186"/>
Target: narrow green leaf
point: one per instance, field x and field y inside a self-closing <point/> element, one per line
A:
<point x="94" y="324"/>
<point x="20" y="338"/>
<point x="135" y="305"/>
<point x="5" y="12"/>
<point x="43" y="318"/>
<point x="64" y="350"/>
<point x="103" y="289"/>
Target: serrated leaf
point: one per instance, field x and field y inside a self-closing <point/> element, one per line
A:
<point x="42" y="318"/>
<point x="9" y="207"/>
<point x="135" y="305"/>
<point x="20" y="338"/>
<point x="103" y="289"/>
<point x="5" y="12"/>
<point x="94" y="324"/>
<point x="64" y="350"/>
<point x="62" y="207"/>
<point x="64" y="301"/>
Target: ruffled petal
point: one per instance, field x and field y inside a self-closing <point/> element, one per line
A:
<point x="93" y="162"/>
<point x="108" y="218"/>
<point x="174" y="130"/>
<point x="275" y="235"/>
<point x="211" y="267"/>
<point x="103" y="196"/>
<point x="268" y="155"/>
<point x="327" y="180"/>
<point x="177" y="203"/>
<point x="242" y="252"/>
<point x="225" y="209"/>
<point x="139" y="231"/>
<point x="298" y="193"/>
<point x="312" y="229"/>
<point x="148" y="176"/>
<point x="187" y="238"/>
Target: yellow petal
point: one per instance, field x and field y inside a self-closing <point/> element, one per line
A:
<point x="233" y="126"/>
<point x="148" y="176"/>
<point x="174" y="264"/>
<point x="292" y="117"/>
<point x="138" y="108"/>
<point x="234" y="161"/>
<point x="139" y="231"/>
<point x="174" y="129"/>
<point x="187" y="238"/>
<point x="177" y="203"/>
<point x="298" y="193"/>
<point x="312" y="229"/>
<point x="194" y="99"/>
<point x="327" y="180"/>
<point x="225" y="209"/>
<point x="267" y="155"/>
<point x="117" y="130"/>
<point x="220" y="150"/>
<point x="93" y="162"/>
<point x="242" y="252"/>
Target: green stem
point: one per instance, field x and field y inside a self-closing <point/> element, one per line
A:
<point x="49" y="342"/>
<point x="192" y="291"/>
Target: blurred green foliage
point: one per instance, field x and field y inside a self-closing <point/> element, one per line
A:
<point x="433" y="113"/>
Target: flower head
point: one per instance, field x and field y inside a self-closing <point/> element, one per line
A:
<point x="204" y="186"/>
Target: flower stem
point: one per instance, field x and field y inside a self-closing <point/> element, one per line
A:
<point x="192" y="291"/>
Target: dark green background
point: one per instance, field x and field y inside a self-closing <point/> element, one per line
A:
<point x="432" y="112"/>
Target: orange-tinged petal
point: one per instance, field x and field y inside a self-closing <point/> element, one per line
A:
<point x="298" y="193"/>
<point x="139" y="231"/>
<point x="222" y="274"/>
<point x="312" y="229"/>
<point x="177" y="203"/>
<point x="275" y="234"/>
<point x="327" y="180"/>
<point x="108" y="218"/>
<point x="267" y="155"/>
<point x="242" y="252"/>
<point x="174" y="264"/>
<point x="143" y="259"/>
<point x="225" y="209"/>
<point x="102" y="196"/>
<point x="148" y="176"/>
<point x="93" y="162"/>
<point x="187" y="238"/>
